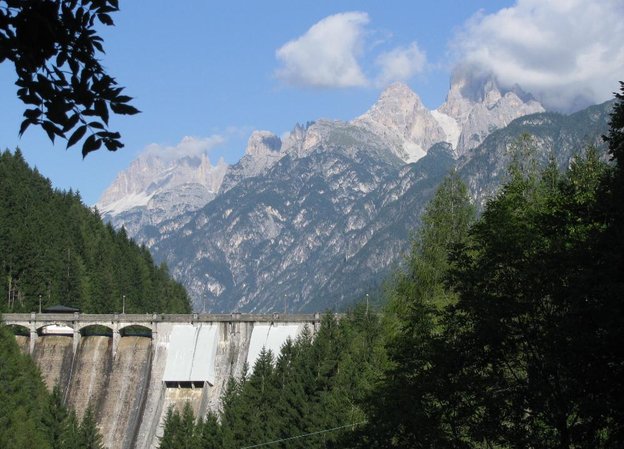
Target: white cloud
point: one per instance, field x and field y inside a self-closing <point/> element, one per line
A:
<point x="565" y="52"/>
<point x="400" y="64"/>
<point x="187" y="147"/>
<point x="327" y="54"/>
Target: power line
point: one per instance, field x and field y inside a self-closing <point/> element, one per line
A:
<point x="304" y="435"/>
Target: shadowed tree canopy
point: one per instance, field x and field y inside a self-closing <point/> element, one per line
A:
<point x="53" y="45"/>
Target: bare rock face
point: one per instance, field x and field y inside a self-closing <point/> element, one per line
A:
<point x="263" y="144"/>
<point x="479" y="106"/>
<point x="317" y="217"/>
<point x="154" y="189"/>
<point x="400" y="117"/>
<point x="263" y="150"/>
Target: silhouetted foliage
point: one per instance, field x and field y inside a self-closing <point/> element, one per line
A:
<point x="53" y="45"/>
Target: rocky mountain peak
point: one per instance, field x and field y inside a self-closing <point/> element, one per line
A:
<point x="156" y="186"/>
<point x="263" y="150"/>
<point x="263" y="143"/>
<point x="398" y="95"/>
<point x="479" y="105"/>
<point x="396" y="105"/>
<point x="400" y="117"/>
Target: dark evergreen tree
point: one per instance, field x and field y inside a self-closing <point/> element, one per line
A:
<point x="22" y="398"/>
<point x="56" y="419"/>
<point x="405" y="409"/>
<point x="608" y="285"/>
<point x="172" y="427"/>
<point x="210" y="433"/>
<point x="88" y="434"/>
<point x="71" y="437"/>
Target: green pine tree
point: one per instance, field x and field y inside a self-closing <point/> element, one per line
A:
<point x="88" y="432"/>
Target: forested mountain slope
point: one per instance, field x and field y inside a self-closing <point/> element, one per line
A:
<point x="52" y="245"/>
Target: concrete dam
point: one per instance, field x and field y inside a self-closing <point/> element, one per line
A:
<point x="131" y="368"/>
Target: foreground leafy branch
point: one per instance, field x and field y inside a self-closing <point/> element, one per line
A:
<point x="53" y="45"/>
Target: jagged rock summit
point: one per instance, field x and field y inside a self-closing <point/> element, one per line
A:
<point x="400" y="117"/>
<point x="263" y="150"/>
<point x="156" y="188"/>
<point x="478" y="105"/>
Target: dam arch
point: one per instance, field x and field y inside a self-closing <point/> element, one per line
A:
<point x="22" y="336"/>
<point x="136" y="330"/>
<point x="19" y="329"/>
<point x="96" y="330"/>
<point x="54" y="329"/>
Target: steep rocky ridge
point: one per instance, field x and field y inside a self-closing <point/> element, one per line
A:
<point x="322" y="227"/>
<point x="479" y="106"/>
<point x="155" y="188"/>
<point x="263" y="150"/>
<point x="318" y="218"/>
<point x="268" y="229"/>
<point x="406" y="125"/>
<point x="550" y="136"/>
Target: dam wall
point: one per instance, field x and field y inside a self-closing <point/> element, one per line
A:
<point x="142" y="365"/>
<point x="90" y="373"/>
<point x="54" y="356"/>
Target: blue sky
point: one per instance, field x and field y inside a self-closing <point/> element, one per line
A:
<point x="215" y="71"/>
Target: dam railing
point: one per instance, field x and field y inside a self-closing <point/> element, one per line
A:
<point x="15" y="318"/>
<point x="74" y="323"/>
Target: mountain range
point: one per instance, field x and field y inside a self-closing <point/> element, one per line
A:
<point x="318" y="218"/>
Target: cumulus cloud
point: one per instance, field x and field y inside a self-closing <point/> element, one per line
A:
<point x="187" y="147"/>
<point x="327" y="54"/>
<point x="567" y="53"/>
<point x="400" y="64"/>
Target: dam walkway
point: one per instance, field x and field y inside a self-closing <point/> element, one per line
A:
<point x="75" y="324"/>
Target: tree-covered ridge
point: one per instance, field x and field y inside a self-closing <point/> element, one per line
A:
<point x="52" y="245"/>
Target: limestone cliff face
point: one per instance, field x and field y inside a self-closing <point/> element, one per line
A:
<point x="154" y="189"/>
<point x="263" y="150"/>
<point x="400" y="117"/>
<point x="296" y="233"/>
<point x="479" y="107"/>
<point x="328" y="221"/>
